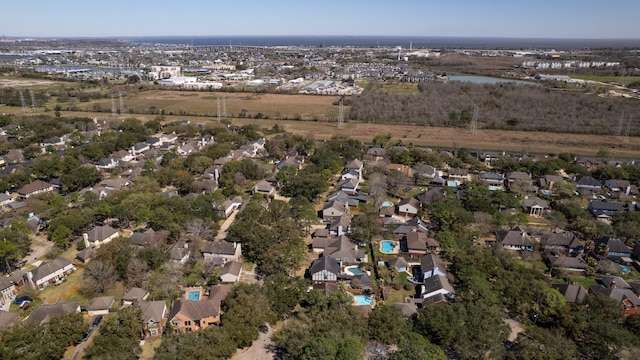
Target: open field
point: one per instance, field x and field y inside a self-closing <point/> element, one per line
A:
<point x="28" y="83"/>
<point x="609" y="79"/>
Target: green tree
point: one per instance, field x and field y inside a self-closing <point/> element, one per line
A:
<point x="414" y="346"/>
<point x="387" y="325"/>
<point x="62" y="236"/>
<point x="118" y="336"/>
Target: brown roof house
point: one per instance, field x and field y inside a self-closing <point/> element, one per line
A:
<point x="409" y="207"/>
<point x="99" y="235"/>
<point x="100" y="305"/>
<point x="153" y="315"/>
<point x="149" y="238"/>
<point x="231" y="272"/>
<point x="188" y="316"/>
<point x="34" y="188"/>
<point x="134" y="295"/>
<point x="515" y="239"/>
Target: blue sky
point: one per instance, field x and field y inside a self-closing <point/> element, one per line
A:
<point x="483" y="18"/>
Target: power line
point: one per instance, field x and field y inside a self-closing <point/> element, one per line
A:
<point x="474" y="121"/>
<point x="340" y="115"/>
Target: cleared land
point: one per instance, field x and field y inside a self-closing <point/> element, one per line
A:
<point x="609" y="79"/>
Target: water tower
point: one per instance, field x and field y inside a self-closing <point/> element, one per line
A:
<point x="399" y="49"/>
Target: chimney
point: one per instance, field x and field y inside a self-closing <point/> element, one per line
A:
<point x="85" y="238"/>
<point x="612" y="285"/>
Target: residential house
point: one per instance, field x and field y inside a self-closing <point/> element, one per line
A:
<point x="228" y="206"/>
<point x="188" y="316"/>
<point x="107" y="163"/>
<point x="43" y="313"/>
<point x="295" y="162"/>
<point x="86" y="254"/>
<point x="100" y="305"/>
<point x="355" y="166"/>
<point x="154" y="316"/>
<point x="587" y="182"/>
<point x="565" y="242"/>
<point x="494" y="180"/>
<point x="377" y="152"/>
<point x="134" y="295"/>
<point x="614" y="247"/>
<point x="604" y="210"/>
<point x="139" y="148"/>
<point x="230" y="272"/>
<point x="343" y="250"/>
<point x="491" y="156"/>
<point x="187" y="148"/>
<point x="221" y="251"/>
<point x="628" y="300"/>
<point x="149" y="238"/>
<point x="404" y="169"/>
<point x="399" y="263"/>
<point x="590" y="164"/>
<point x="409" y="207"/>
<point x="35" y="223"/>
<point x="169" y="138"/>
<point x="566" y="263"/>
<point x="522" y="178"/>
<point x="99" y="235"/>
<point x="413" y="225"/>
<point x="409" y="309"/>
<point x="534" y="206"/>
<point x="8" y="292"/>
<point x="547" y="181"/>
<point x="573" y="293"/>
<point x="436" y="285"/>
<point x="334" y="208"/>
<point x="615" y="282"/>
<point x="115" y="183"/>
<point x="414" y="244"/>
<point x="179" y="253"/>
<point x="515" y="239"/>
<point x="432" y="195"/>
<point x="265" y="188"/>
<point x="621" y="186"/>
<point x="362" y="281"/>
<point x="340" y="225"/>
<point x="5" y="200"/>
<point x="459" y="176"/>
<point x="432" y="265"/>
<point x="53" y="141"/>
<point x="425" y="172"/>
<point x="324" y="269"/>
<point x="34" y="188"/>
<point x="49" y="273"/>
<point x="349" y="186"/>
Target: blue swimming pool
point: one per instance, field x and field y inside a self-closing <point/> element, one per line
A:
<point x="363" y="300"/>
<point x="387" y="204"/>
<point x="625" y="269"/>
<point x="388" y="246"/>
<point x="355" y="270"/>
<point x="193" y="295"/>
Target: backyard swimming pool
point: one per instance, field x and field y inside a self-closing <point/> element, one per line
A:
<point x="193" y="295"/>
<point x="362" y="300"/>
<point x="355" y="270"/>
<point x="388" y="247"/>
<point x="387" y="204"/>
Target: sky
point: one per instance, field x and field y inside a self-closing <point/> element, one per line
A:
<point x="581" y="19"/>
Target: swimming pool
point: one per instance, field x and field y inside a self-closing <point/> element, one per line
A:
<point x="355" y="270"/>
<point x="387" y="204"/>
<point x="387" y="246"/>
<point x="193" y="295"/>
<point x="362" y="300"/>
<point x="625" y="269"/>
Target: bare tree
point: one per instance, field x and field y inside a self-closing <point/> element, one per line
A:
<point x="378" y="188"/>
<point x="99" y="277"/>
<point x="136" y="272"/>
<point x="197" y="230"/>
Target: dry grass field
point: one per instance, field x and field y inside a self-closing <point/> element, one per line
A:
<point x="320" y="115"/>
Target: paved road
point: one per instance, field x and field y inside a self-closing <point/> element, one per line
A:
<point x="222" y="234"/>
<point x="259" y="350"/>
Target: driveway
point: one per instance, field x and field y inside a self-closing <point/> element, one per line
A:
<point x="222" y="234"/>
<point x="259" y="350"/>
<point x="40" y="247"/>
<point x="248" y="277"/>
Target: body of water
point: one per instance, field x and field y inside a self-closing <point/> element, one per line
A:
<point x="388" y="246"/>
<point x="362" y="300"/>
<point x="476" y="79"/>
<point x="393" y="41"/>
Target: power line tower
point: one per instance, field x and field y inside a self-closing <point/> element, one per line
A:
<point x="619" y="131"/>
<point x="224" y="108"/>
<point x="626" y="133"/>
<point x="474" y="121"/>
<point x="24" y="107"/>
<point x="340" y="115"/>
<point x="114" y="109"/>
<point x="33" y="100"/>
<point x="218" y="101"/>
<point x="121" y="104"/>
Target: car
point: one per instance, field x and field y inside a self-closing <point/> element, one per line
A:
<point x="96" y="321"/>
<point x="263" y="329"/>
<point x="87" y="334"/>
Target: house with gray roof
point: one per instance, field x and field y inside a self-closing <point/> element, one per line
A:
<point x="99" y="235"/>
<point x="153" y="316"/>
<point x="43" y="313"/>
<point x="179" y="253"/>
<point x="432" y="265"/>
<point x="534" y="206"/>
<point x="573" y="293"/>
<point x="49" y="273"/>
<point x="223" y="250"/>
<point x="324" y="269"/>
<point x="515" y="239"/>
<point x="134" y="295"/>
<point x="436" y="285"/>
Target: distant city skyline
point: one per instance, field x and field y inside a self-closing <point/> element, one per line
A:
<point x="571" y="19"/>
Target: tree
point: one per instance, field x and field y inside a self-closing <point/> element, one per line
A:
<point x="62" y="236"/>
<point x="136" y="272"/>
<point x="284" y="293"/>
<point x="414" y="346"/>
<point x="387" y="325"/>
<point x="99" y="277"/>
<point x="133" y="79"/>
<point x="245" y="309"/>
<point x="119" y="336"/>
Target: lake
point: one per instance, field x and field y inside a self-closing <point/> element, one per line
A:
<point x="476" y="79"/>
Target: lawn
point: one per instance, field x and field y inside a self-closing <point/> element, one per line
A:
<point x="51" y="294"/>
<point x="528" y="264"/>
<point x="609" y="79"/>
<point x="149" y="348"/>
